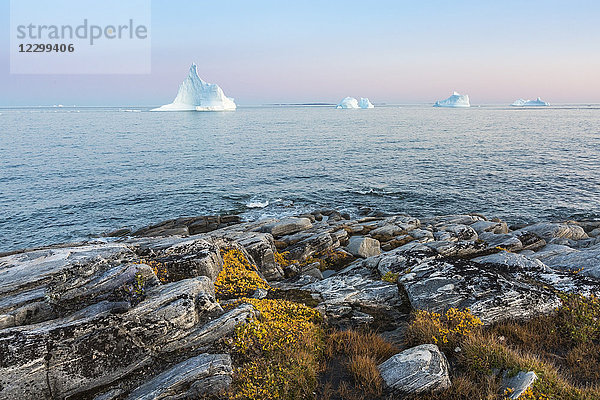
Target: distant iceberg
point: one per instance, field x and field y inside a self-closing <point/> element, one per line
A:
<point x="365" y="103"/>
<point x="196" y="95"/>
<point x="456" y="100"/>
<point x="530" y="103"/>
<point x="348" y="102"/>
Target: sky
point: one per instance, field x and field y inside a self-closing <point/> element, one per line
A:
<point x="313" y="51"/>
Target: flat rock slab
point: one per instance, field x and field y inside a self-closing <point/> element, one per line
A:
<point x="287" y="226"/>
<point x="364" y="247"/>
<point x="416" y="370"/>
<point x="585" y="261"/>
<point x="549" y="230"/>
<point x="200" y="375"/>
<point x="491" y="295"/>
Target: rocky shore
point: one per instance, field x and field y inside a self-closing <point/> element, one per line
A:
<point x="145" y="314"/>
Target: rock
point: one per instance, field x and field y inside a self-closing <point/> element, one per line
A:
<point x="516" y="385"/>
<point x="33" y="269"/>
<point x="201" y="375"/>
<point x="396" y="242"/>
<point x="422" y="235"/>
<point x="119" y="232"/>
<point x="82" y="285"/>
<point x="595" y="233"/>
<point x="457" y="249"/>
<point x="386" y="232"/>
<point x="261" y="247"/>
<point x="504" y="240"/>
<point x="549" y="230"/>
<point x="519" y="264"/>
<point x="317" y="243"/>
<point x="451" y="219"/>
<point x="67" y="357"/>
<point x="185" y="258"/>
<point x="421" y="369"/>
<point x="492" y="295"/>
<point x="287" y="226"/>
<point x="360" y="246"/>
<point x="456" y="232"/>
<point x="530" y="240"/>
<point x="314" y="272"/>
<point x="188" y="226"/>
<point x="489" y="226"/>
<point x="585" y="261"/>
<point x="7" y="321"/>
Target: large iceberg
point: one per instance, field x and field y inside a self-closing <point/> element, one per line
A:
<point x="196" y="95"/>
<point x="456" y="100"/>
<point x="348" y="102"/>
<point x="529" y="103"/>
<point x="365" y="103"/>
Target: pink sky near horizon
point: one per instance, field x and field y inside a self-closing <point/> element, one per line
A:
<point x="391" y="52"/>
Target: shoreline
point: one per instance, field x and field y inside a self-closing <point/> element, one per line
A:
<point x="126" y="315"/>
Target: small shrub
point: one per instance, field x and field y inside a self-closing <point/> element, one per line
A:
<point x="445" y="330"/>
<point x="579" y="318"/>
<point x="279" y="351"/>
<point x="239" y="277"/>
<point x="390" y="277"/>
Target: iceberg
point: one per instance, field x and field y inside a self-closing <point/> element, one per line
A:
<point x="348" y="102"/>
<point x="365" y="103"/>
<point x="196" y="95"/>
<point x="530" y="103"/>
<point x="456" y="100"/>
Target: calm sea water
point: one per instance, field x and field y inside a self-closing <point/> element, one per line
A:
<point x="66" y="174"/>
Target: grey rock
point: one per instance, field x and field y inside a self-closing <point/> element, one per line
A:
<point x="421" y="369"/>
<point x="261" y="247"/>
<point x="519" y="383"/>
<point x="504" y="240"/>
<point x="457" y="248"/>
<point x="489" y="226"/>
<point x="360" y="246"/>
<point x="586" y="261"/>
<point x="188" y="257"/>
<point x="549" y="230"/>
<point x="456" y="232"/>
<point x="200" y="375"/>
<point x="422" y="235"/>
<point x="492" y="295"/>
<point x="522" y="265"/>
<point x="312" y="245"/>
<point x="451" y="219"/>
<point x="287" y="226"/>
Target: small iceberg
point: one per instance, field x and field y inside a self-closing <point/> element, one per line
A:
<point x="456" y="100"/>
<point x="365" y="103"/>
<point x="530" y="103"/>
<point x="196" y="95"/>
<point x="348" y="102"/>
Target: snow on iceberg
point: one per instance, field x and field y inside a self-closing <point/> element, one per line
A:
<point x="528" y="103"/>
<point x="365" y="103"/>
<point x="348" y="102"/>
<point x="196" y="95"/>
<point x="456" y="100"/>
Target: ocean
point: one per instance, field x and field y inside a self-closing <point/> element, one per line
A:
<point x="69" y="174"/>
